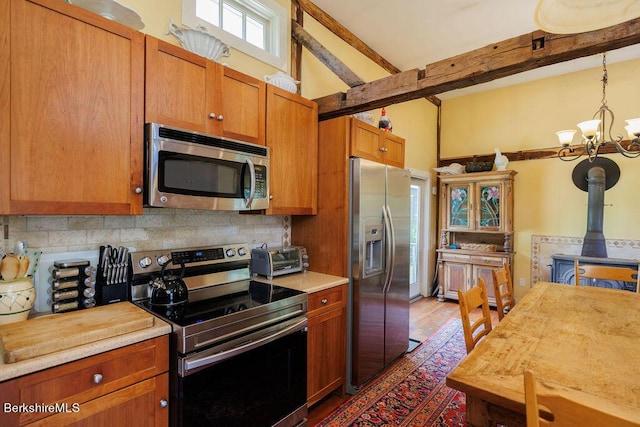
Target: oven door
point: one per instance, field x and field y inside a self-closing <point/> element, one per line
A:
<point x="199" y="173"/>
<point x="259" y="382"/>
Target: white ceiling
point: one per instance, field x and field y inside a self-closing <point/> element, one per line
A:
<point x="413" y="33"/>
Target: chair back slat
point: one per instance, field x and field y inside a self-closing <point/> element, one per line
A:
<point x="551" y="405"/>
<point x="468" y="301"/>
<point x="605" y="272"/>
<point x="503" y="291"/>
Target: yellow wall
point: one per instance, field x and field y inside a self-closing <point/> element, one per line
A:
<point x="526" y="116"/>
<point x="518" y="117"/>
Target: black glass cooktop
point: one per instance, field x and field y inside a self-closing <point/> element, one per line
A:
<point x="249" y="295"/>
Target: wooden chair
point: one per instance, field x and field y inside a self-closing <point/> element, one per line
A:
<point x="603" y="272"/>
<point x="473" y="298"/>
<point x="570" y="408"/>
<point x="503" y="290"/>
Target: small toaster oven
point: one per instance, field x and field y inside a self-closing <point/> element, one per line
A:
<point x="272" y="262"/>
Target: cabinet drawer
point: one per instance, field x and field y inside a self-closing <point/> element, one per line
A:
<point x="83" y="380"/>
<point x="446" y="256"/>
<point x="328" y="299"/>
<point x="496" y="261"/>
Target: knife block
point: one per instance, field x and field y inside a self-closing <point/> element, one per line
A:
<point x="112" y="279"/>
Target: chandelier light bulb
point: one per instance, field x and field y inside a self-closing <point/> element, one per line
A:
<point x="566" y="136"/>
<point x="589" y="128"/>
<point x="633" y="127"/>
<point x="629" y="132"/>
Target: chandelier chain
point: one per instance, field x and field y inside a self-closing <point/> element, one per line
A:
<point x="605" y="79"/>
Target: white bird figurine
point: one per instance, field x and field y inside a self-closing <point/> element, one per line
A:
<point x="501" y="160"/>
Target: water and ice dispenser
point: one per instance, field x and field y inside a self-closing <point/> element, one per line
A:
<point x="373" y="250"/>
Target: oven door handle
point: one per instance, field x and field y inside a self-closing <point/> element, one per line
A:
<point x="197" y="363"/>
<point x="252" y="191"/>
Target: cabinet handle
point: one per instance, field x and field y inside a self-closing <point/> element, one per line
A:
<point x="220" y="117"/>
<point x="97" y="378"/>
<point x="215" y="116"/>
<point x="324" y="301"/>
<point x="164" y="403"/>
<point x="138" y="190"/>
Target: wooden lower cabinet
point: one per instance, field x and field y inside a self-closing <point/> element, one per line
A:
<point x="460" y="271"/>
<point x="128" y="386"/>
<point x="326" y="345"/>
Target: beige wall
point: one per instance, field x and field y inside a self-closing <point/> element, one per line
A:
<point x="526" y="116"/>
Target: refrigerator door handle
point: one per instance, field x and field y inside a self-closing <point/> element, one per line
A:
<point x="390" y="247"/>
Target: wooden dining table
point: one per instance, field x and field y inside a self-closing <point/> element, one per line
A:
<point x="578" y="338"/>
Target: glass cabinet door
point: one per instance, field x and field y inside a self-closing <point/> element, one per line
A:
<point x="460" y="206"/>
<point x="489" y="201"/>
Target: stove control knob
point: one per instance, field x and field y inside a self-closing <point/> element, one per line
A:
<point x="230" y="252"/>
<point x="163" y="259"/>
<point x="242" y="251"/>
<point x="145" y="262"/>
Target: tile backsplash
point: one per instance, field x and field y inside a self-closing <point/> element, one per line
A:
<point x="155" y="229"/>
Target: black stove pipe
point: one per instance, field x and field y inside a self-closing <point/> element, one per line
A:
<point x="594" y="242"/>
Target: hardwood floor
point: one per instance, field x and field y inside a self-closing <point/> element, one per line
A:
<point x="427" y="316"/>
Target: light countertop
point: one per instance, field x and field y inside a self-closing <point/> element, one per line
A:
<point x="14" y="370"/>
<point x="309" y="281"/>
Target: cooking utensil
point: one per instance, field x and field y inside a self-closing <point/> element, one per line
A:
<point x="169" y="290"/>
<point x="23" y="266"/>
<point x="10" y="267"/>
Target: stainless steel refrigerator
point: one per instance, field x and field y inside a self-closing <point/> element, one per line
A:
<point x="379" y="268"/>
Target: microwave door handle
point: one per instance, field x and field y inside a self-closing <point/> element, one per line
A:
<point x="252" y="192"/>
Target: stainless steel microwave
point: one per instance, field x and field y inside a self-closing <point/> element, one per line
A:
<point x="191" y="170"/>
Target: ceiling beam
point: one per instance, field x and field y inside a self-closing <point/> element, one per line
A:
<point x="343" y="72"/>
<point x="343" y="33"/>
<point x="502" y="59"/>
<point x="339" y="30"/>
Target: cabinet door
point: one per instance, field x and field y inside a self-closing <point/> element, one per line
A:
<point x="75" y="99"/>
<point x="326" y="342"/>
<point x="484" y="271"/>
<point x="142" y="404"/>
<point x="459" y="206"/>
<point x="292" y="137"/>
<point x="325" y="350"/>
<point x="489" y="206"/>
<point x="456" y="277"/>
<point x="393" y="153"/>
<point x="244" y="107"/>
<point x="366" y="141"/>
<point x="182" y="89"/>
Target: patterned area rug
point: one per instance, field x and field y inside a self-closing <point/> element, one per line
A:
<point x="413" y="391"/>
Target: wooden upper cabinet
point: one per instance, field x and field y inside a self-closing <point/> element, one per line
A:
<point x="292" y="137"/>
<point x="393" y="150"/>
<point x="71" y="108"/>
<point x="479" y="202"/>
<point x="244" y="101"/>
<point x="191" y="92"/>
<point x="372" y="143"/>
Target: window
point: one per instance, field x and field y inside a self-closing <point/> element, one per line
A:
<point x="257" y="28"/>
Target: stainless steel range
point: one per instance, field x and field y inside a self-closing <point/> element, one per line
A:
<point x="239" y="346"/>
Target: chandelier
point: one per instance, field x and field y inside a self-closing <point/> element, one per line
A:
<point x="596" y="134"/>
